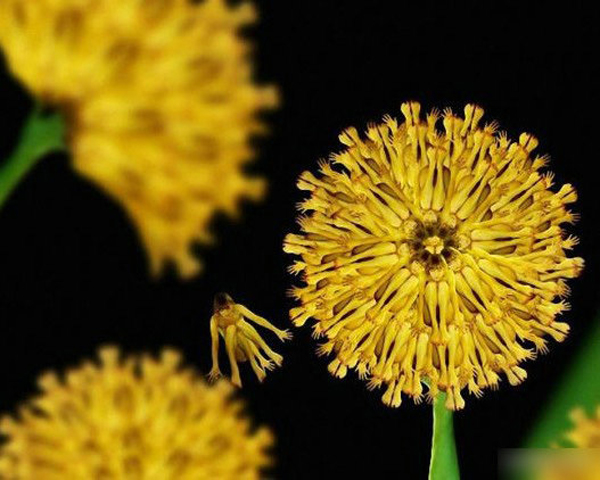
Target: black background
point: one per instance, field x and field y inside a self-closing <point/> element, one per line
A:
<point x="73" y="275"/>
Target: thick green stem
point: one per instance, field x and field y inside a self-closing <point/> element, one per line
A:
<point x="444" y="462"/>
<point x="42" y="134"/>
<point x="578" y="388"/>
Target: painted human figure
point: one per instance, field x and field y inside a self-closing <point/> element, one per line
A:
<point x="231" y="321"/>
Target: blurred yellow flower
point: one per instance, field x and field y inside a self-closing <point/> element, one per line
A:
<point x="433" y="257"/>
<point x="159" y="101"/>
<point x="581" y="462"/>
<point x="586" y="431"/>
<point x="232" y="321"/>
<point x="136" y="418"/>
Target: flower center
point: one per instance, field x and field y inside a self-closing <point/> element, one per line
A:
<point x="434" y="245"/>
<point x="431" y="242"/>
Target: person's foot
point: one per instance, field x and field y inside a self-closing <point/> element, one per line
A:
<point x="214" y="375"/>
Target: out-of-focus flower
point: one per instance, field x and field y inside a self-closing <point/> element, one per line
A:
<point x="433" y="257"/>
<point x="134" y="418"/>
<point x="581" y="462"/>
<point x="159" y="101"/>
<point x="586" y="430"/>
<point x="242" y="341"/>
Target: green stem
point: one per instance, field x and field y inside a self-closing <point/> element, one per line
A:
<point x="444" y="462"/>
<point x="42" y="134"/>
<point x="579" y="387"/>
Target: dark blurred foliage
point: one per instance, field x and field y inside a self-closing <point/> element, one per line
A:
<point x="73" y="274"/>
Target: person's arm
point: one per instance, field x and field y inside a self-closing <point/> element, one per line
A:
<point x="215" y="372"/>
<point x="231" y="345"/>
<point x="282" y="334"/>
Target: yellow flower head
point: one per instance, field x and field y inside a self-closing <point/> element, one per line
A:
<point x="433" y="257"/>
<point x="581" y="462"/>
<point x="586" y="431"/>
<point x="137" y="418"/>
<point x="243" y="343"/>
<point x="159" y="100"/>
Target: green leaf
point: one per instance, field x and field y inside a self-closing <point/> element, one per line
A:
<point x="42" y="134"/>
<point x="444" y="462"/>
<point x="579" y="388"/>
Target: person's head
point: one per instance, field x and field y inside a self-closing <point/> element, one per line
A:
<point x="221" y="301"/>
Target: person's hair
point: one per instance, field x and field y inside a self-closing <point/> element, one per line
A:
<point x="221" y="301"/>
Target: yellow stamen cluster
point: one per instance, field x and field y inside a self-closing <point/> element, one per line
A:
<point x="160" y="104"/>
<point x="137" y="418"/>
<point x="242" y="342"/>
<point x="433" y="256"/>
